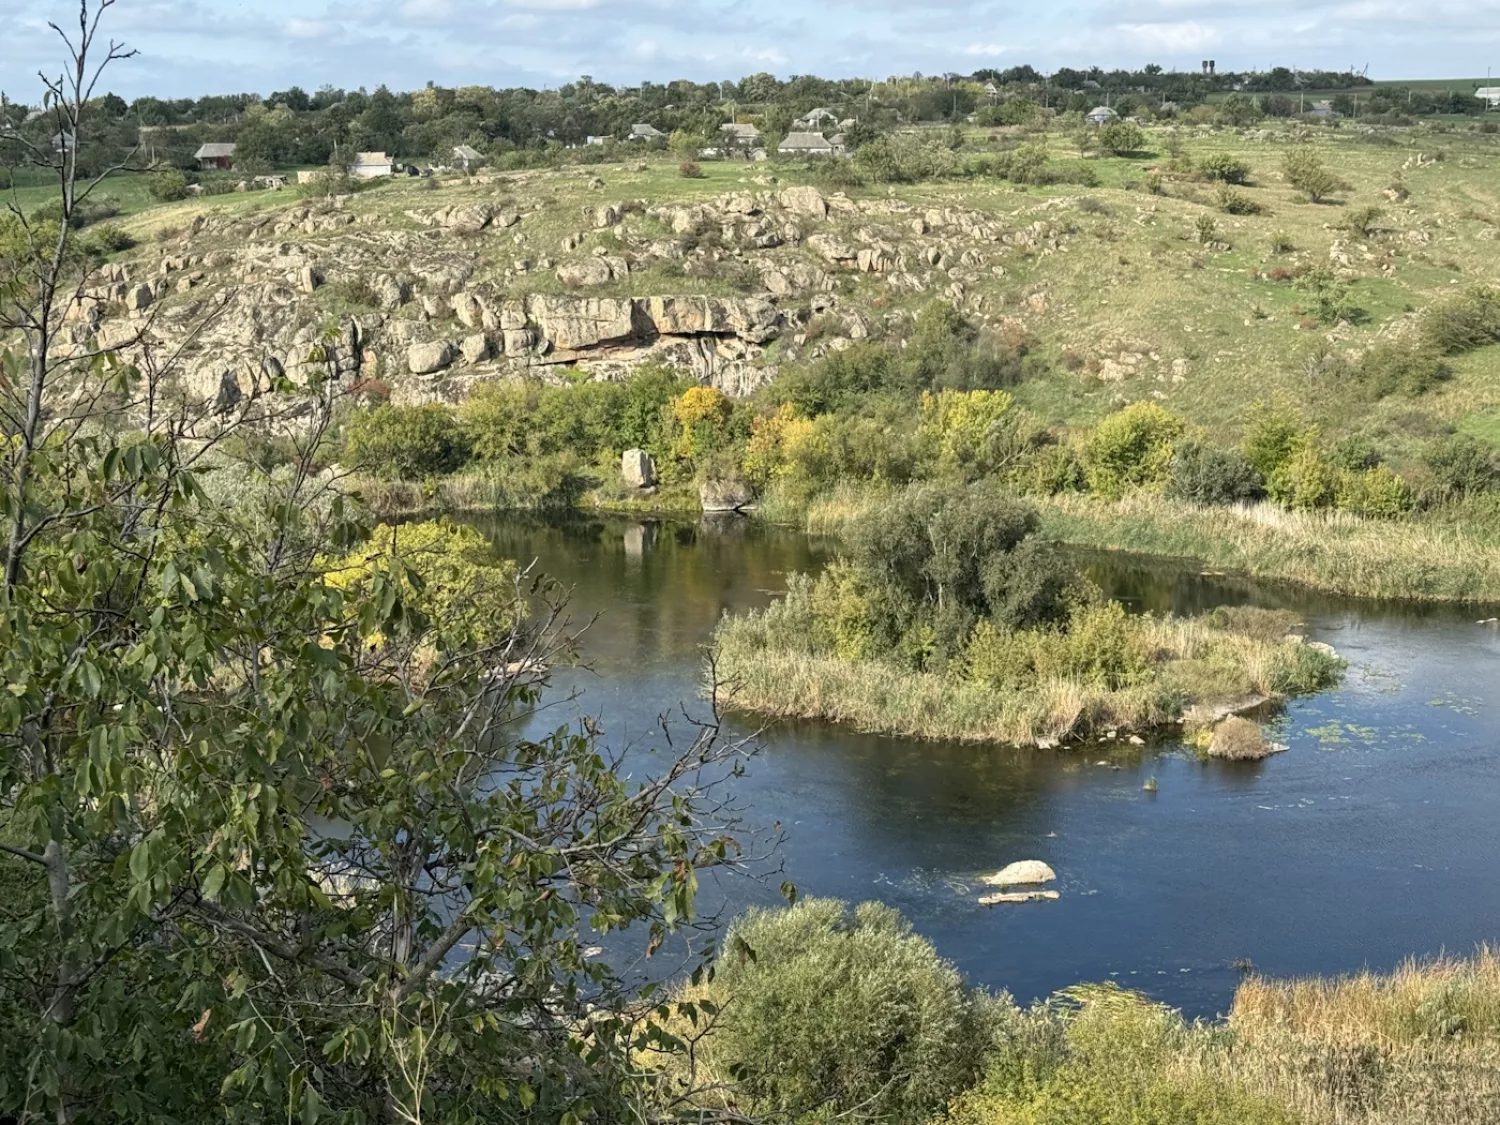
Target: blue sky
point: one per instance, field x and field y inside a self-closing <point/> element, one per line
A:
<point x="190" y="47"/>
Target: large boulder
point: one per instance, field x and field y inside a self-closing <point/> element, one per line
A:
<point x="585" y="273"/>
<point x="1024" y="873"/>
<point x="475" y="348"/>
<point x="805" y="201"/>
<point x="637" y="468"/>
<point x="138" y="298"/>
<point x="425" y="359"/>
<point x="574" y="323"/>
<point x="724" y="495"/>
<point x="468" y="220"/>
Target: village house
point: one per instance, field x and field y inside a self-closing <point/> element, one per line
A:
<point x="219" y="157"/>
<point x="809" y="144"/>
<point x="63" y="142"/>
<point x="1489" y="95"/>
<point x="740" y="136"/>
<point x="644" y="132"/>
<point x="1100" y="115"/>
<point x="371" y="166"/>
<point x="466" y="156"/>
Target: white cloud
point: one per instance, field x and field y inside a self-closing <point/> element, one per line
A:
<point x="1185" y="35"/>
<point x="984" y="50"/>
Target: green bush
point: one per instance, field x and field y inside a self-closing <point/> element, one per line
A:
<point x="1361" y="220"/>
<point x="1101" y="646"/>
<point x="1234" y="202"/>
<point x="406" y="442"/>
<point x="1121" y="138"/>
<point x="1274" y="436"/>
<point x="1306" y="481"/>
<point x="827" y="1012"/>
<point x="1306" y="172"/>
<point x="1401" y="368"/>
<point x="1224" y="169"/>
<point x="1331" y="300"/>
<point x="1132" y="448"/>
<point x="1097" y="1055"/>
<point x="1463" y="465"/>
<point x="1207" y="475"/>
<point x="108" y="238"/>
<point x="1378" y="493"/>
<point x="168" y="185"/>
<point x="961" y="553"/>
<point x="1464" y="321"/>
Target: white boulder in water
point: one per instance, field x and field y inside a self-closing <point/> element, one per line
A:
<point x="1026" y="873"/>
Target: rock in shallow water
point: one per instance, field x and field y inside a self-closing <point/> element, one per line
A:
<point x="1027" y="872"/>
<point x="1018" y="897"/>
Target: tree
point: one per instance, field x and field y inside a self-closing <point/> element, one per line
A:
<point x="1122" y="138"/>
<point x="270" y="839"/>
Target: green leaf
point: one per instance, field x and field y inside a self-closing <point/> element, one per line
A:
<point x="213" y="882"/>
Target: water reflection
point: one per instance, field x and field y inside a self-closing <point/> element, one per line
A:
<point x="1373" y="838"/>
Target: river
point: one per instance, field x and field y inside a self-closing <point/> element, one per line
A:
<point x="1374" y="838"/>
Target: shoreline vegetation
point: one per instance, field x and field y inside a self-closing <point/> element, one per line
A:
<point x="950" y="618"/>
<point x="1335" y="552"/>
<point x="878" y="1020"/>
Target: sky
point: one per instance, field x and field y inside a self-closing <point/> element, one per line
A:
<point x="193" y="47"/>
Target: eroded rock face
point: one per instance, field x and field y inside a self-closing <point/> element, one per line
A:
<point x="571" y="324"/>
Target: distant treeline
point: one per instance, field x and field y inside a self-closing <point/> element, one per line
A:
<point x="293" y="126"/>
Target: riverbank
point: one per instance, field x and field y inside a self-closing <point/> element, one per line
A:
<point x="1335" y="552"/>
<point x="1129" y="675"/>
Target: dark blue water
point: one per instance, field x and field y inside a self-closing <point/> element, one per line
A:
<point x="1375" y="838"/>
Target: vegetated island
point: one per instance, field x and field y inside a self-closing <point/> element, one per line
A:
<point x="947" y="617"/>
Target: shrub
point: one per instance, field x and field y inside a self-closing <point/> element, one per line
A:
<point x="108" y="238"/>
<point x="1047" y="469"/>
<point x="1377" y="493"/>
<point x="406" y="442"/>
<point x="1206" y="228"/>
<point x="1331" y="300"/>
<point x="1361" y="220"/>
<point x="961" y="553"/>
<point x="1307" y="173"/>
<point x="1306" y="481"/>
<point x="1401" y="368"/>
<point x="1464" y="321"/>
<point x="168" y="185"/>
<point x="1234" y="202"/>
<point x="1132" y="448"/>
<point x="1207" y="475"/>
<point x="1353" y="453"/>
<point x="701" y="414"/>
<point x="1223" y="168"/>
<point x="828" y="1011"/>
<point x="1098" y="1055"/>
<point x="1121" y="138"/>
<point x="1281" y="242"/>
<point x="971" y="433"/>
<point x="690" y="170"/>
<point x="1273" y="437"/>
<point x="1463" y="465"/>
